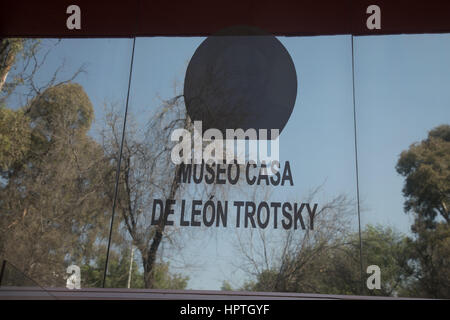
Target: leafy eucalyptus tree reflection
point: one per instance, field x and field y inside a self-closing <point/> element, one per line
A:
<point x="426" y="168"/>
<point x="53" y="201"/>
<point x="52" y="198"/>
<point x="57" y="180"/>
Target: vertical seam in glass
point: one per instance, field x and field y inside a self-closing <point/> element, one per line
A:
<point x="357" y="169"/>
<point x="118" y="165"/>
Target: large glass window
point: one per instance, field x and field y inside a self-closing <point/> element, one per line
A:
<point x="362" y="183"/>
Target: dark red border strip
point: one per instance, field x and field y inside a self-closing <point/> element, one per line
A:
<point x="102" y="18"/>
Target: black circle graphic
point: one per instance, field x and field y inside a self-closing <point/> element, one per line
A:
<point x="241" y="78"/>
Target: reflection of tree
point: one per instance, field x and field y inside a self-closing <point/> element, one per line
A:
<point x="426" y="168"/>
<point x="9" y="50"/>
<point x="53" y="204"/>
<point x="56" y="185"/>
<point x="52" y="189"/>
<point x="326" y="259"/>
<point x="382" y="246"/>
<point x="118" y="269"/>
<point x="147" y="173"/>
<point x="281" y="261"/>
<point x="20" y="62"/>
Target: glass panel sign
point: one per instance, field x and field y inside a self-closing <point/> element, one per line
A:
<point x="239" y="161"/>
